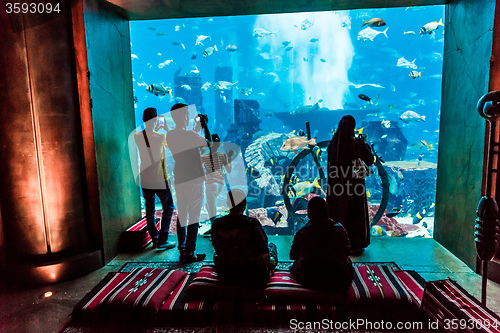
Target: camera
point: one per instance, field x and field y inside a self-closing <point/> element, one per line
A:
<point x="201" y="118"/>
<point x="161" y="121"/>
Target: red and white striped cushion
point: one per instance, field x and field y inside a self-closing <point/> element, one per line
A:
<point x="456" y="310"/>
<point x="145" y="289"/>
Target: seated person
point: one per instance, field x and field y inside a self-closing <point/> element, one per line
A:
<point x="242" y="253"/>
<point x="320" y="251"/>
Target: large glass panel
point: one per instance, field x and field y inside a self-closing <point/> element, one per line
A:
<point x="267" y="78"/>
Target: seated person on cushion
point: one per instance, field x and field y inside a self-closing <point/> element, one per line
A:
<point x="320" y="251"/>
<point x="242" y="253"/>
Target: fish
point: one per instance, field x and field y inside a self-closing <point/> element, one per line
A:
<point x="430" y="27"/>
<point x="261" y="32"/>
<point x="322" y="60"/>
<point x="151" y="28"/>
<point x="370" y="34"/>
<point x="306" y="109"/>
<point x="408" y="116"/>
<point x="232" y="48"/>
<point x="134" y="56"/>
<point x="422" y="213"/>
<point x="368" y="194"/>
<point x="318" y="154"/>
<point x="359" y="131"/>
<point x="160" y="34"/>
<point x="365" y="98"/>
<point x="279" y="202"/>
<point x="402" y="62"/>
<point x="409" y="33"/>
<point x="165" y="63"/>
<point x="274" y="214"/>
<point x="269" y="114"/>
<point x="193" y="56"/>
<point x="176" y="43"/>
<point x="252" y="172"/>
<point x="200" y="39"/>
<point x="288" y="48"/>
<point x="314" y="40"/>
<point x="286" y="43"/>
<point x="209" y="50"/>
<point x="276" y="77"/>
<point x="179" y="27"/>
<point x="386" y="123"/>
<point x="224" y="85"/>
<point x="383" y="136"/>
<point x="293" y="179"/>
<point x="159" y="90"/>
<point x="297" y="142"/>
<point x="180" y="100"/>
<point x="306" y="24"/>
<point x="205" y="86"/>
<point x="374" y="22"/>
<point x="371" y="115"/>
<point x="357" y="86"/>
<point x="306" y="187"/>
<point x="246" y="91"/>
<point x="395" y="211"/>
<point x="400" y="174"/>
<point x="415" y="74"/>
<point x="185" y="86"/>
<point x="425" y="143"/>
<point x="193" y="72"/>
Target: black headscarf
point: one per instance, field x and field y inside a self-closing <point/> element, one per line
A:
<point x="317" y="210"/>
<point x="341" y="147"/>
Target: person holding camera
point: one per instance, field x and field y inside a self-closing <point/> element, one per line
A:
<point x="154" y="178"/>
<point x="188" y="178"/>
<point x="214" y="163"/>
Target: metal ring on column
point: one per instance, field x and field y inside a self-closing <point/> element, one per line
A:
<point x="489" y="106"/>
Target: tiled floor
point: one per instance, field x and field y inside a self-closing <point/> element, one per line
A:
<point x="22" y="309"/>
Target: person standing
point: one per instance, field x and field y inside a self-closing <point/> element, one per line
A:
<point x="214" y="163"/>
<point x="154" y="179"/>
<point x="188" y="179"/>
<point x="346" y="196"/>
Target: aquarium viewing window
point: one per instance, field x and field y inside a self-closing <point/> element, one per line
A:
<point x="262" y="79"/>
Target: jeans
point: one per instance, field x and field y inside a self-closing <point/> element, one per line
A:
<point x="167" y="204"/>
<point x="212" y="191"/>
<point x="189" y="200"/>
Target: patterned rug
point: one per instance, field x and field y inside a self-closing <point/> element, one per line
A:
<point x="195" y="266"/>
<point x="134" y="323"/>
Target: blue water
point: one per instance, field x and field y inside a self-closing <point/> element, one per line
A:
<point x="325" y="71"/>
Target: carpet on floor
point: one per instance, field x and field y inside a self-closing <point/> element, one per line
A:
<point x="371" y="281"/>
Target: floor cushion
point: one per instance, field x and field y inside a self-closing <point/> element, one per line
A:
<point x="455" y="310"/>
<point x="206" y="284"/>
<point x="144" y="289"/>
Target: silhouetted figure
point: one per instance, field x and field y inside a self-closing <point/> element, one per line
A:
<point x="320" y="251"/>
<point x="346" y="196"/>
<point x="214" y="162"/>
<point x="154" y="179"/>
<point x="188" y="180"/>
<point x="242" y="253"/>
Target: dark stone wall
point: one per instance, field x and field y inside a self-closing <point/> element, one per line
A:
<point x="109" y="62"/>
<point x="467" y="52"/>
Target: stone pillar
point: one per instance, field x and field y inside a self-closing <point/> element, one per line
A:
<point x="43" y="190"/>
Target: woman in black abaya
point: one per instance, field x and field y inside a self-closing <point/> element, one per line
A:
<point x="346" y="196"/>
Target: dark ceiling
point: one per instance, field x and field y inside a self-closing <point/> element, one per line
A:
<point x="163" y="9"/>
